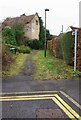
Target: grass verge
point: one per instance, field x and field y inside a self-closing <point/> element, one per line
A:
<point x="50" y="68"/>
<point x="16" y="67"/>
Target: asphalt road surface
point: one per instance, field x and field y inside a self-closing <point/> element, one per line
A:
<point x="24" y="97"/>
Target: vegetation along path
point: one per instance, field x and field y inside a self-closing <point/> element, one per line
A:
<point x="43" y="74"/>
<point x="18" y="80"/>
<point x="37" y="67"/>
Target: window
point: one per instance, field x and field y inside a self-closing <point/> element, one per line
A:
<point x="27" y="22"/>
<point x="36" y="22"/>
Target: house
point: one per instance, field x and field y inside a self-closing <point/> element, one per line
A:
<point x="30" y="25"/>
<point x="71" y="28"/>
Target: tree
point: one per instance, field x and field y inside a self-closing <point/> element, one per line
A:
<point x="19" y="34"/>
<point x="8" y="36"/>
<point x="23" y="14"/>
<point x="42" y="32"/>
<point x="48" y="35"/>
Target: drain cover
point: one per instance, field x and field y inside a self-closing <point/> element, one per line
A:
<point x="49" y="113"/>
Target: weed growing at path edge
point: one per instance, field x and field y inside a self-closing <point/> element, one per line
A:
<point x="17" y="66"/>
<point x="50" y="68"/>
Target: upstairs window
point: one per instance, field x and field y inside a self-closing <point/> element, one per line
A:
<point x="27" y="22"/>
<point x="36" y="22"/>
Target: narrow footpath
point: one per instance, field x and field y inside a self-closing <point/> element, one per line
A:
<point x="24" y="97"/>
<point x="25" y="83"/>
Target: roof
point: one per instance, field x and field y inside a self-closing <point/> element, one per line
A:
<point x="71" y="28"/>
<point x="18" y="20"/>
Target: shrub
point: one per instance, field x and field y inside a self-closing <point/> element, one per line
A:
<point x="7" y="57"/>
<point x="19" y="34"/>
<point x="23" y="49"/>
<point x="67" y="43"/>
<point x="20" y="49"/>
<point x="34" y="44"/>
<point x="13" y="35"/>
<point x="8" y="36"/>
<point x="59" y="49"/>
<point x="54" y="46"/>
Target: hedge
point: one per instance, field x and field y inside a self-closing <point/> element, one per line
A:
<point x="63" y="47"/>
<point x="67" y="43"/>
<point x="34" y="44"/>
<point x="7" y="57"/>
<point x="54" y="46"/>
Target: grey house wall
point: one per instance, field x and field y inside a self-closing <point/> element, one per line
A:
<point x="32" y="29"/>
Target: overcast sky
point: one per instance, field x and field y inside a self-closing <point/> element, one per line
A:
<point x="62" y="12"/>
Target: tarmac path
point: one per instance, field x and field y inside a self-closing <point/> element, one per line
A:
<point x="24" y="85"/>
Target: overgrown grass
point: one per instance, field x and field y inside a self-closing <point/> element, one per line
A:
<point x="17" y="66"/>
<point x="52" y="68"/>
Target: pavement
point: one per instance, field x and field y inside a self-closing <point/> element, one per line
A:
<point x="23" y="97"/>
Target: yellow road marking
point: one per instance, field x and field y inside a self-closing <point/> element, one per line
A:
<point x="63" y="108"/>
<point x="68" y="107"/>
<point x="44" y="92"/>
<point x="45" y="98"/>
<point x="33" y="92"/>
<point x="62" y="104"/>
<point x="24" y="99"/>
<point x="29" y="96"/>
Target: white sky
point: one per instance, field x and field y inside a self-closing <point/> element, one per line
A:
<point x="62" y="12"/>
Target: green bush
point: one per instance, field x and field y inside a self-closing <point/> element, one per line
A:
<point x="20" y="49"/>
<point x="7" y="57"/>
<point x="54" y="46"/>
<point x="34" y="44"/>
<point x="12" y="46"/>
<point x="19" y="34"/>
<point x="59" y="49"/>
<point x="13" y="35"/>
<point x="23" y="49"/>
<point x="67" y="43"/>
<point x="8" y="36"/>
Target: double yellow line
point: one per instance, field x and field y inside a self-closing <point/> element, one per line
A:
<point x="56" y="98"/>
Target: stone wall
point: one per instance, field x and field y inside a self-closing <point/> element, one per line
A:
<point x="32" y="29"/>
<point x="35" y="28"/>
